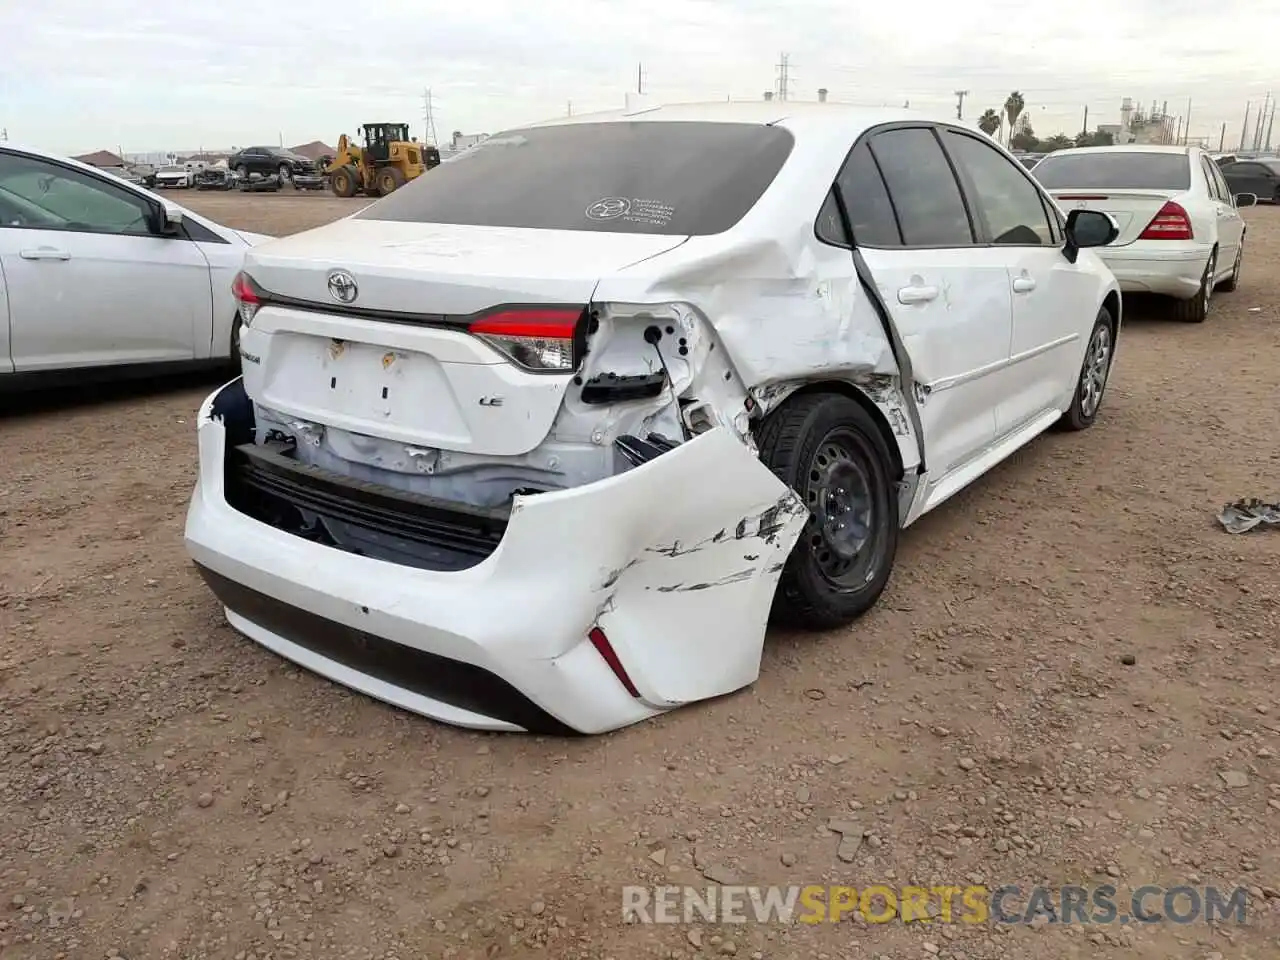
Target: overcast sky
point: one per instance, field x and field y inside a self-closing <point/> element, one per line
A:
<point x="80" y="75"/>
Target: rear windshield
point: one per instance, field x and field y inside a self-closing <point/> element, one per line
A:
<point x="657" y="177"/>
<point x="1122" y="170"/>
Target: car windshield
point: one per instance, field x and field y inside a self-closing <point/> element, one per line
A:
<point x="652" y="177"/>
<point x="1116" y="170"/>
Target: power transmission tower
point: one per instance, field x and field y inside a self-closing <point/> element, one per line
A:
<point x="1244" y="127"/>
<point x="428" y="117"/>
<point x="960" y="95"/>
<point x="1186" y="130"/>
<point x="784" y="76"/>
<point x="1270" y="123"/>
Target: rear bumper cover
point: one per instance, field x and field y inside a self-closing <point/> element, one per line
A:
<point x="1146" y="268"/>
<point x="675" y="560"/>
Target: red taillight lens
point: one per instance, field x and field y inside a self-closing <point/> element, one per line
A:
<point x="1171" y="223"/>
<point x="248" y="297"/>
<point x="610" y="656"/>
<point x="537" y="338"/>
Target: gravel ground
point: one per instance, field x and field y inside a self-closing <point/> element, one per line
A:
<point x="1069" y="680"/>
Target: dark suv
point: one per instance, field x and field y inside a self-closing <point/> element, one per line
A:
<point x="271" y="160"/>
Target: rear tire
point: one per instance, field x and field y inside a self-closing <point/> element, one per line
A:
<point x="829" y="450"/>
<point x="1233" y="281"/>
<point x="344" y="182"/>
<point x="1197" y="308"/>
<point x="1095" y="371"/>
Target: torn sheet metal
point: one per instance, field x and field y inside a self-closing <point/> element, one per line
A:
<point x="1245" y="515"/>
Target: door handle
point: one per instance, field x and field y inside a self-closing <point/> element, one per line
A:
<point x="920" y="294"/>
<point x="1024" y="284"/>
<point x="44" y="253"/>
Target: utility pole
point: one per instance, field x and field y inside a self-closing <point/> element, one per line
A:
<point x="1244" y="127"/>
<point x="4" y="134"/>
<point x="639" y="78"/>
<point x="1084" y="129"/>
<point x="1222" y="139"/>
<point x="1270" y="122"/>
<point x="1257" y="124"/>
<point x="569" y="109"/>
<point x="784" y="75"/>
<point x="1186" y="131"/>
<point x="428" y="117"/>
<point x="1177" y="132"/>
<point x="960" y="95"/>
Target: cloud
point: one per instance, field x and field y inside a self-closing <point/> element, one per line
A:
<point x="148" y="75"/>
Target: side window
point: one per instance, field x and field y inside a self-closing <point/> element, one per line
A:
<point x="1209" y="181"/>
<point x="871" y="213"/>
<point x="830" y="226"/>
<point x="1221" y="181"/>
<point x="38" y="194"/>
<point x="1002" y="192"/>
<point x="924" y="191"/>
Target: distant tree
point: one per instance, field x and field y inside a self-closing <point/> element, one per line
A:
<point x="1059" y="141"/>
<point x="1098" y="138"/>
<point x="1025" y="139"/>
<point x="1013" y="107"/>
<point x="989" y="123"/>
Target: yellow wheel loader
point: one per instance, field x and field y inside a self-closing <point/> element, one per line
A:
<point x="388" y="160"/>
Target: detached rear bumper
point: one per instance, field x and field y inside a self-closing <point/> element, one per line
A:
<point x="676" y="561"/>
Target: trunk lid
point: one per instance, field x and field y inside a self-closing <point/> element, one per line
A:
<point x="1133" y="210"/>
<point x="395" y="362"/>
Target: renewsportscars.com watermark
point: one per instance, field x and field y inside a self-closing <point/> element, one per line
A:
<point x="880" y="903"/>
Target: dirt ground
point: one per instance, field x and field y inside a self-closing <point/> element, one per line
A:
<point x="1071" y="679"/>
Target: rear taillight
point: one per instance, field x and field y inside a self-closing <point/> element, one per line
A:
<point x="542" y="339"/>
<point x="1171" y="223"/>
<point x="248" y="296"/>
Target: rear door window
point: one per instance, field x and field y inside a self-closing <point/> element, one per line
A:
<point x="652" y="177"/>
<point x="866" y="197"/>
<point x="1116" y="169"/>
<point x="923" y="188"/>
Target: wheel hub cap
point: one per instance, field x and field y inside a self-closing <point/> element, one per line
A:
<point x="1097" y="364"/>
<point x="840" y="501"/>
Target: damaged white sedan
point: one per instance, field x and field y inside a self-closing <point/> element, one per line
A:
<point x="539" y="441"/>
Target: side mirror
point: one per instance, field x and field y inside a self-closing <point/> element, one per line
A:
<point x="1088" y="228"/>
<point x="170" y="219"/>
<point x="1246" y="199"/>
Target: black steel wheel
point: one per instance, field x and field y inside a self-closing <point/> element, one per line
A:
<point x="829" y="449"/>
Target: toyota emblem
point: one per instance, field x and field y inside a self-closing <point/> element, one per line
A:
<point x="342" y="286"/>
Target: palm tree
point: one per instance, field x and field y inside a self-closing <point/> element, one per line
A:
<point x="989" y="123"/>
<point x="1013" y="109"/>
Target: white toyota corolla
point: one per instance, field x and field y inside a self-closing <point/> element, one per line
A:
<point x="538" y="441"/>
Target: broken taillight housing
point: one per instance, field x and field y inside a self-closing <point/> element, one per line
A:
<point x="248" y="297"/>
<point x="540" y="339"/>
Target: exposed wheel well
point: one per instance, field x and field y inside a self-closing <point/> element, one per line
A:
<point x="851" y="391"/>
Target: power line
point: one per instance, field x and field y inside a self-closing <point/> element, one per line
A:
<point x="784" y="75"/>
<point x="429" y="117"/>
